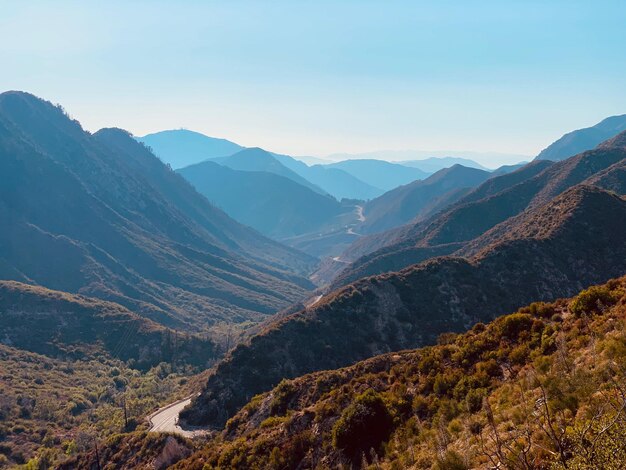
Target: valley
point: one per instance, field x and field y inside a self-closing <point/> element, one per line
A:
<point x="329" y="235"/>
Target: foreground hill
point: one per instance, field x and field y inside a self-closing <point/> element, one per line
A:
<point x="274" y="205"/>
<point x="420" y="198"/>
<point x="539" y="388"/>
<point x="581" y="140"/>
<point x="101" y="215"/>
<point x="554" y="251"/>
<point x="181" y="147"/>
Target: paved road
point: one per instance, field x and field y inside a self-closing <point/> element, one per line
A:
<point x="166" y="420"/>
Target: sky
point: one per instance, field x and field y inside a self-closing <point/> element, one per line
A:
<point x="322" y="77"/>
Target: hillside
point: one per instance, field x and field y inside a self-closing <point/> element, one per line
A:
<point x="256" y="159"/>
<point x="181" y="147"/>
<point x="539" y="388"/>
<point x="556" y="250"/>
<point x="75" y="369"/>
<point x="101" y="216"/>
<point x="340" y="184"/>
<point x="581" y="140"/>
<point x="58" y="324"/>
<point x="420" y="198"/>
<point x="490" y="204"/>
<point x="274" y="205"/>
<point x="379" y="173"/>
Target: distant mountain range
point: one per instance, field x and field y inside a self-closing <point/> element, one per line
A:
<point x="580" y="140"/>
<point x="434" y="164"/>
<point x="180" y="147"/>
<point x="275" y="205"/>
<point x="420" y="198"/>
<point x="379" y="173"/>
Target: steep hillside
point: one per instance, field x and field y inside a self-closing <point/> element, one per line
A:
<point x="420" y="198"/>
<point x="181" y="147"/>
<point x="554" y="251"/>
<point x="256" y="159"/>
<point x="379" y="173"/>
<point x="274" y="205"/>
<point x="539" y="388"/>
<point x="490" y="204"/>
<point x="58" y="324"/>
<point x="102" y="216"/>
<point x="580" y="140"/>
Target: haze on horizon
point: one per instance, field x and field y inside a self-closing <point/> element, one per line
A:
<point x="327" y="77"/>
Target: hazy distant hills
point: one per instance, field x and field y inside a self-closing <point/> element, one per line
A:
<point x="580" y="140"/>
<point x="550" y="251"/>
<point x="420" y="198"/>
<point x="433" y="164"/>
<point x="256" y="159"/>
<point x="100" y="215"/>
<point x="275" y="205"/>
<point x="379" y="173"/>
<point x="181" y="147"/>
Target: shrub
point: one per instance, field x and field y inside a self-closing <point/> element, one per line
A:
<point x="593" y="300"/>
<point x="365" y="424"/>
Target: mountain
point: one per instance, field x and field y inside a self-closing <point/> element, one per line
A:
<point x="379" y="173"/>
<point x="488" y="205"/>
<point x="180" y="147"/>
<point x="338" y="183"/>
<point x="538" y="385"/>
<point x="581" y="140"/>
<point x="448" y="157"/>
<point x="256" y="159"/>
<point x="102" y="216"/>
<point x="434" y="164"/>
<point x="341" y="184"/>
<point x="58" y="324"/>
<point x="274" y="205"/>
<point x="420" y="198"/>
<point x="551" y="251"/>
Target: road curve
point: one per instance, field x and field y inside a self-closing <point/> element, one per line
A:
<point x="166" y="420"/>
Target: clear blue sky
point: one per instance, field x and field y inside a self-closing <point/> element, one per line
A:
<point x="321" y="77"/>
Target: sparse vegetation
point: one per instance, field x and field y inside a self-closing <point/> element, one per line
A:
<point x="540" y="388"/>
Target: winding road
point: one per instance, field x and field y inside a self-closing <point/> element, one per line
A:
<point x="166" y="419"/>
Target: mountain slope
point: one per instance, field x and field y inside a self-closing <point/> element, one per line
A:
<point x="539" y="386"/>
<point x="581" y="140"/>
<point x="420" y="198"/>
<point x="100" y="215"/>
<point x="256" y="159"/>
<point x="554" y="251"/>
<point x="450" y="230"/>
<point x="379" y="173"/>
<point x="58" y="324"/>
<point x="180" y="148"/>
<point x="341" y="184"/>
<point x="274" y="205"/>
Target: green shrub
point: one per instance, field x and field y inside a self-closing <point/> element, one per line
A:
<point x="593" y="300"/>
<point x="363" y="425"/>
